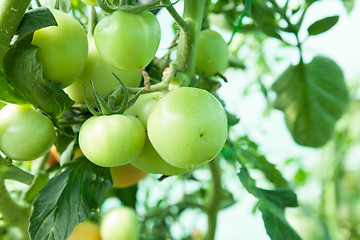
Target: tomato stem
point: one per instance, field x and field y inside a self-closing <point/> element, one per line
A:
<point x="11" y="14"/>
<point x="9" y="171"/>
<point x="193" y="15"/>
<point x="215" y="198"/>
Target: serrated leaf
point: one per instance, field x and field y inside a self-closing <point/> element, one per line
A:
<point x="322" y="25"/>
<point x="25" y="74"/>
<point x="275" y="222"/>
<point x="33" y="20"/>
<point x="127" y="195"/>
<point x="268" y="169"/>
<point x="280" y="197"/>
<point x="68" y="199"/>
<point x="313" y="97"/>
<point x="272" y="204"/>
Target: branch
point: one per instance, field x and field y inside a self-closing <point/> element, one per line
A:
<point x="215" y="199"/>
<point x="11" y="14"/>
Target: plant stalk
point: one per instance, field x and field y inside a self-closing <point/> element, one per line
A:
<point x="215" y="199"/>
<point x="11" y="14"/>
<point x="185" y="59"/>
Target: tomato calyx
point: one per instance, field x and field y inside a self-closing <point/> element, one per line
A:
<point x="110" y="107"/>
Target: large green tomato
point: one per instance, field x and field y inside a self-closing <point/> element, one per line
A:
<point x="63" y="49"/>
<point x="149" y="160"/>
<point x="212" y="54"/>
<point x="100" y="73"/>
<point x="120" y="224"/>
<point x="25" y="134"/>
<point x="128" y="41"/>
<point x="113" y="140"/>
<point x="188" y="127"/>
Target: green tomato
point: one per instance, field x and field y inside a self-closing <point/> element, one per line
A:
<point x="212" y="54"/>
<point x="63" y="49"/>
<point x="126" y="40"/>
<point x="188" y="127"/>
<point x="25" y="134"/>
<point x="113" y="140"/>
<point x="120" y="224"/>
<point x="150" y="161"/>
<point x="143" y="106"/>
<point x="100" y="73"/>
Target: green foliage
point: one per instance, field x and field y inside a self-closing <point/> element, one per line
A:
<point x="313" y="97"/>
<point x="322" y="25"/>
<point x="272" y="204"/>
<point x="68" y="199"/>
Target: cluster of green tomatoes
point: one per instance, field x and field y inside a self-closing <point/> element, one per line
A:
<point x="163" y="132"/>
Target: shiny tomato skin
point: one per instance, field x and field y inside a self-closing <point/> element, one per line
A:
<point x="128" y="41"/>
<point x="113" y="140"/>
<point x="63" y="49"/>
<point x="25" y="133"/>
<point x="188" y="127"/>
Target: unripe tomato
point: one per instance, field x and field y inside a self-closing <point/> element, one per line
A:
<point x="143" y="106"/>
<point x="113" y="140"/>
<point x="188" y="127"/>
<point x="212" y="54"/>
<point x="120" y="224"/>
<point x="63" y="49"/>
<point x="126" y="175"/>
<point x="126" y="40"/>
<point x="150" y="161"/>
<point x="25" y="134"/>
<point x="101" y="74"/>
<point x="86" y="230"/>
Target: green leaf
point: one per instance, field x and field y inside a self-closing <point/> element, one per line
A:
<point x="272" y="204"/>
<point x="25" y="74"/>
<point x="33" y="20"/>
<point x="68" y="199"/>
<point x="313" y="97"/>
<point x="322" y="25"/>
<point x="8" y="93"/>
<point x="264" y="18"/>
<point x="281" y="197"/>
<point x="349" y="5"/>
<point x="275" y="222"/>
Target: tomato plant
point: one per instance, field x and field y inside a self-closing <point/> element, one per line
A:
<point x="101" y="74"/>
<point x="126" y="40"/>
<point x="212" y="55"/>
<point x="196" y="121"/>
<point x="25" y="133"/>
<point x="105" y="140"/>
<point x="128" y="229"/>
<point x="201" y="108"/>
